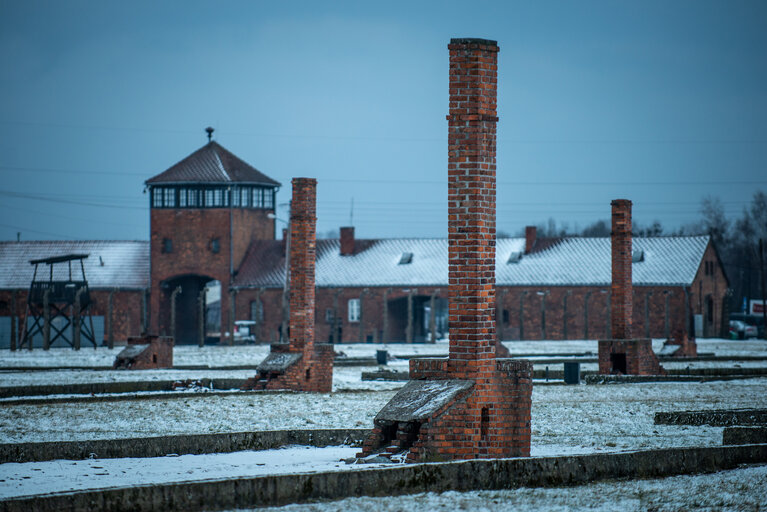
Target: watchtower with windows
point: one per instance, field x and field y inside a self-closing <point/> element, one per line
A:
<point x="204" y="213"/>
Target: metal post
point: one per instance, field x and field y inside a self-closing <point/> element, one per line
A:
<point x="14" y="321"/>
<point x="201" y="317"/>
<point x="173" y="312"/>
<point x="522" y="315"/>
<point x="232" y="305"/>
<point x="110" y="319"/>
<point x="564" y="313"/>
<point x="46" y="321"/>
<point x="666" y="330"/>
<point x="385" y="334"/>
<point x="77" y="319"/>
<point x="144" y="315"/>
<point x="647" y="313"/>
<point x="764" y="286"/>
<point x="543" y="313"/>
<point x="409" y="328"/>
<point x="586" y="314"/>
<point x="334" y="334"/>
<point x="433" y="316"/>
<point x="361" y="315"/>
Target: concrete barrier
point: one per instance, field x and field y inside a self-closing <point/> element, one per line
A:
<point x="744" y="435"/>
<point x="402" y="479"/>
<point x="714" y="417"/>
<point x="113" y="387"/>
<point x="179" y="445"/>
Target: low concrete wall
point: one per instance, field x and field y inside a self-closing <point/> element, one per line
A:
<point x="744" y="435"/>
<point x="636" y="379"/>
<point x="180" y="445"/>
<point x="714" y="417"/>
<point x="113" y="387"/>
<point x="405" y="479"/>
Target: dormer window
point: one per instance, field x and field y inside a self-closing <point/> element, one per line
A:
<point x="637" y="256"/>
<point x="406" y="258"/>
<point x="515" y="257"/>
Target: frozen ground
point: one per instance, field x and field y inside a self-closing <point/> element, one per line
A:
<point x="742" y="489"/>
<point x="565" y="419"/>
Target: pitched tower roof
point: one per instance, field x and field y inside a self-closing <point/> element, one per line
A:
<point x="212" y="163"/>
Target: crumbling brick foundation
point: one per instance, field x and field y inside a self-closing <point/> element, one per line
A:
<point x="623" y="354"/>
<point x="470" y="405"/>
<point x="679" y="345"/>
<point x="300" y="365"/>
<point x="146" y="353"/>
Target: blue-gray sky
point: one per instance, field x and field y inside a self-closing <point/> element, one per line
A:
<point x="656" y="101"/>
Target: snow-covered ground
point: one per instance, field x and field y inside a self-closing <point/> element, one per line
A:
<point x="742" y="489"/>
<point x="67" y="475"/>
<point x="565" y="419"/>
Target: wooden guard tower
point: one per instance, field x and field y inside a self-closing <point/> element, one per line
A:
<point x="53" y="298"/>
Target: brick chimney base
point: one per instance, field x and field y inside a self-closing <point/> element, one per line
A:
<point x="295" y="370"/>
<point x="436" y="417"/>
<point x="628" y="357"/>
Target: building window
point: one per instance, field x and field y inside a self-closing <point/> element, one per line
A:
<point x="329" y="316"/>
<point x="257" y="311"/>
<point x="208" y="198"/>
<point x="169" y="197"/>
<point x="268" y="199"/>
<point x="215" y="246"/>
<point x="182" y="198"/>
<point x="157" y="197"/>
<point x="258" y="197"/>
<point x="354" y="310"/>
<point x="236" y="197"/>
<point x="167" y="245"/>
<point x="245" y="197"/>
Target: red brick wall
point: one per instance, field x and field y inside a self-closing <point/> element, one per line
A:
<point x="711" y="283"/>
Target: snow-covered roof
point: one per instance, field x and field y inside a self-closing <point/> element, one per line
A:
<point x="574" y="261"/>
<point x="110" y="263"/>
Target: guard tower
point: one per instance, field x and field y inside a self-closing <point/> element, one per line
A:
<point x="57" y="298"/>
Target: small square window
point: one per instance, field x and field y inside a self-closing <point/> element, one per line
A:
<point x="329" y="315"/>
<point x="215" y="246"/>
<point x="167" y="245"/>
<point x="406" y="258"/>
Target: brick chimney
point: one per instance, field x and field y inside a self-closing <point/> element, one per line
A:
<point x="531" y="232"/>
<point x="622" y="287"/>
<point x="347" y="241"/>
<point x="303" y="221"/>
<point x="470" y="405"/>
<point x="301" y="364"/>
<point x="624" y="355"/>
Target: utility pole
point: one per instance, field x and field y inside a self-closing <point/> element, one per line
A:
<point x="764" y="288"/>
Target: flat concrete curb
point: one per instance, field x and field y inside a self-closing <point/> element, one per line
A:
<point x="638" y="379"/>
<point x="114" y="387"/>
<point x="179" y="445"/>
<point x="744" y="435"/>
<point x="405" y="479"/>
<point x="714" y="417"/>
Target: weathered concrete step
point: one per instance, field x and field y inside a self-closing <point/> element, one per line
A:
<point x="179" y="445"/>
<point x="744" y="435"/>
<point x="114" y="387"/>
<point x="714" y="417"/>
<point x="472" y="475"/>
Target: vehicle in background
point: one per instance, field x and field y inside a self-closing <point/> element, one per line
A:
<point x="740" y="330"/>
<point x="243" y="331"/>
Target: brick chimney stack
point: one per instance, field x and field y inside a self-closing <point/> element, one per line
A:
<point x="303" y="221"/>
<point x="622" y="288"/>
<point x="472" y="122"/>
<point x="531" y="233"/>
<point x="347" y="241"/>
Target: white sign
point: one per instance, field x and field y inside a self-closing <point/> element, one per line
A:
<point x="756" y="307"/>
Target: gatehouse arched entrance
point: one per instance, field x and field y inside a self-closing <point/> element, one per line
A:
<point x="187" y="320"/>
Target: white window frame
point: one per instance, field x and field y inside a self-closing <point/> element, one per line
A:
<point x="353" y="310"/>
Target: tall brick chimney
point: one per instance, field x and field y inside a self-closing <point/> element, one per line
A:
<point x="622" y="288"/>
<point x="303" y="221"/>
<point x="347" y="241"/>
<point x="470" y="405"/>
<point x="531" y="233"/>
<point x="301" y="364"/>
<point x="623" y="354"/>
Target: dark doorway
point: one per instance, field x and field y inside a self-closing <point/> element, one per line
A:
<point x="618" y="363"/>
<point x="187" y="328"/>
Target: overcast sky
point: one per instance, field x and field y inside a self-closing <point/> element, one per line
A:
<point x="659" y="102"/>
